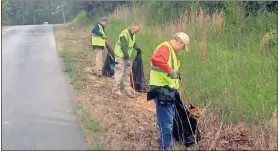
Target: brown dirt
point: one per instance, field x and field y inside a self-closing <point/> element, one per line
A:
<point x="131" y="123"/>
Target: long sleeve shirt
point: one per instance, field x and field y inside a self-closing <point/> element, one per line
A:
<point x="97" y="32"/>
<point x="124" y="45"/>
<point x="160" y="59"/>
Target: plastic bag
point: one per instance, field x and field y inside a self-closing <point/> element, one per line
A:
<point x="138" y="75"/>
<point x="184" y="130"/>
<point x="108" y="68"/>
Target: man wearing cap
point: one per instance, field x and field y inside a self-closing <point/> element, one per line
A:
<point x="164" y="83"/>
<point x="124" y="48"/>
<point x="98" y="43"/>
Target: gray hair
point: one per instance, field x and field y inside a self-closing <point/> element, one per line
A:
<point x="175" y="37"/>
<point x="104" y="19"/>
<point x="135" y="24"/>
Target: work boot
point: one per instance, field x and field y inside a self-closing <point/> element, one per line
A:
<point x="93" y="73"/>
<point x="192" y="147"/>
<point x="99" y="73"/>
<point x="130" y="93"/>
<point x="118" y="92"/>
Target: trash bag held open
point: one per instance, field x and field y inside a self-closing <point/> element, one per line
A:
<point x="137" y="78"/>
<point x="185" y="128"/>
<point x="108" y="68"/>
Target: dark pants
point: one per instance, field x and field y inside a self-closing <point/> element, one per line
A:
<point x="165" y="117"/>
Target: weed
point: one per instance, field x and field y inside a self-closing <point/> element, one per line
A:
<point x="97" y="146"/>
<point x="222" y="54"/>
<point x="92" y="125"/>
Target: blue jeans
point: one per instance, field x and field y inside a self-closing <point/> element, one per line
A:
<point x="165" y="117"/>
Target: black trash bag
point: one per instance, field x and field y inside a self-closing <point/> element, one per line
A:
<point x="181" y="128"/>
<point x="108" y="68"/>
<point x="138" y="75"/>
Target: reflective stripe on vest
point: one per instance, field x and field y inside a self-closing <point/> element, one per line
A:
<point x="118" y="50"/>
<point x="158" y="77"/>
<point x="97" y="40"/>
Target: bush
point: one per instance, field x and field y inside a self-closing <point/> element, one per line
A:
<point x="225" y="65"/>
<point x="82" y="19"/>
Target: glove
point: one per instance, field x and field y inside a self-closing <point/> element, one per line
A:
<point x="127" y="62"/>
<point x="174" y="75"/>
<point x="139" y="51"/>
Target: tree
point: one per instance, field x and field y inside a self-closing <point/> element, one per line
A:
<point x="6" y="7"/>
<point x="23" y="12"/>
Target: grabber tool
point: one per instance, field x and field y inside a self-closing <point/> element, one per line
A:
<point x="195" y="111"/>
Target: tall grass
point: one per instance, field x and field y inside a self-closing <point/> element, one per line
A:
<point x="226" y="64"/>
<point x="82" y="19"/>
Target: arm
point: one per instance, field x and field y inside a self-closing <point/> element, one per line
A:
<point x="135" y="47"/>
<point x="160" y="59"/>
<point x="108" y="47"/>
<point x="95" y="31"/>
<point x="124" y="47"/>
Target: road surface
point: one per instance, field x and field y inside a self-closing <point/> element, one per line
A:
<point x="38" y="111"/>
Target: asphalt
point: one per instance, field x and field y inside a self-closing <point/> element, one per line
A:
<point x="38" y="111"/>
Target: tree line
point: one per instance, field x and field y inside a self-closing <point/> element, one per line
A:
<point x="27" y="12"/>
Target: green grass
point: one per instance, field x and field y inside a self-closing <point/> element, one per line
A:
<point x="69" y="62"/>
<point x="82" y="19"/>
<point x="97" y="147"/>
<point x="77" y="80"/>
<point x="79" y="85"/>
<point x="236" y="77"/>
<point x="90" y="125"/>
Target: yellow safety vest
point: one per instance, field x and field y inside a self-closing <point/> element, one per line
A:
<point x="159" y="77"/>
<point x="97" y="40"/>
<point x="118" y="51"/>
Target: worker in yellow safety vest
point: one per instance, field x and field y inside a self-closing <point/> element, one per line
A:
<point x="164" y="83"/>
<point x="124" y="48"/>
<point x="99" y="43"/>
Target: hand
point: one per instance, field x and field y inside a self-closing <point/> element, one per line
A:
<point x="188" y="103"/>
<point x="174" y="75"/>
<point x="127" y="62"/>
<point x="104" y="37"/>
<point x="139" y="51"/>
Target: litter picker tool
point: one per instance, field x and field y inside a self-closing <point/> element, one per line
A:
<point x="132" y="77"/>
<point x="195" y="111"/>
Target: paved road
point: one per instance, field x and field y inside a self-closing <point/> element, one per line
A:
<point x="38" y="110"/>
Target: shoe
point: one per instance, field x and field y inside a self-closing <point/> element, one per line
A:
<point x="98" y="73"/>
<point x="192" y="147"/>
<point x="93" y="73"/>
<point x="130" y="94"/>
<point x="118" y="92"/>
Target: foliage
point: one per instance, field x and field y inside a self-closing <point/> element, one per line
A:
<point x="226" y="65"/>
<point x="22" y="12"/>
<point x="5" y="12"/>
<point x="81" y="18"/>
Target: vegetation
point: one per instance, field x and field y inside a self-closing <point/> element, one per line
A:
<point x="227" y="65"/>
<point x="231" y="66"/>
<point x="232" y="58"/>
<point x="23" y="12"/>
